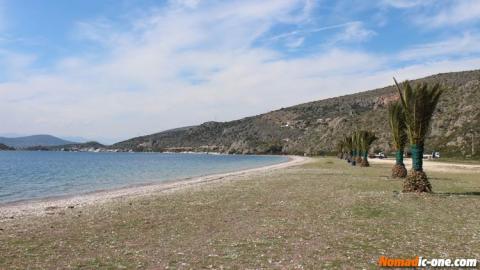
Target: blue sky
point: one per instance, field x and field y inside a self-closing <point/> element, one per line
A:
<point x="113" y="69"/>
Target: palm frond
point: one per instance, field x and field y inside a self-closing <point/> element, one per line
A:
<point x="357" y="143"/>
<point x="396" y="119"/>
<point x="348" y="143"/>
<point x="419" y="103"/>
<point x="366" y="140"/>
<point x="340" y="146"/>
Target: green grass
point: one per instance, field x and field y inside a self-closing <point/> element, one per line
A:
<point x="325" y="214"/>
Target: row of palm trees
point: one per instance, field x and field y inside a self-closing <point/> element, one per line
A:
<point x="409" y="119"/>
<point x="418" y="105"/>
<point x="355" y="148"/>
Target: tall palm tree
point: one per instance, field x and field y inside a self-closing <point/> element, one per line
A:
<point x="396" y="119"/>
<point x="366" y="140"/>
<point x="419" y="104"/>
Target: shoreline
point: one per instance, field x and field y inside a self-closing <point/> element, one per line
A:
<point x="48" y="206"/>
<point x="149" y="182"/>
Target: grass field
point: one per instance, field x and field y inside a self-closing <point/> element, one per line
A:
<point x="325" y="214"/>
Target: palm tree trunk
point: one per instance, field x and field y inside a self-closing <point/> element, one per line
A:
<point x="365" y="162"/>
<point x="399" y="170"/>
<point x="399" y="157"/>
<point x="417" y="157"/>
<point x="359" y="158"/>
<point x="417" y="180"/>
<point x="353" y="162"/>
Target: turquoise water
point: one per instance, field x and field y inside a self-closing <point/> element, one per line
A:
<point x="36" y="175"/>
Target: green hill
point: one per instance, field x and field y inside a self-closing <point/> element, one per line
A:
<point x="314" y="127"/>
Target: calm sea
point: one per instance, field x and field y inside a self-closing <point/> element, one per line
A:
<point x="35" y="175"/>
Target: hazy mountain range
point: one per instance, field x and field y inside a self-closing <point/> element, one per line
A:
<point x="33" y="140"/>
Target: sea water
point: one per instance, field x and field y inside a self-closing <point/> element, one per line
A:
<point x="28" y="175"/>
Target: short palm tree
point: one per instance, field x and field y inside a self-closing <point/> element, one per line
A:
<point x="366" y="140"/>
<point x="419" y="103"/>
<point x="396" y="119"/>
<point x="348" y="145"/>
<point x="340" y="149"/>
<point x="353" y="159"/>
<point x="358" y="147"/>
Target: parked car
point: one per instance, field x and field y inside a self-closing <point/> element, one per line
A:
<point x="433" y="155"/>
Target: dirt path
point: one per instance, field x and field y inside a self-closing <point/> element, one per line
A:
<point x="435" y="166"/>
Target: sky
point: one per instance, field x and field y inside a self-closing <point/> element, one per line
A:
<point x="114" y="69"/>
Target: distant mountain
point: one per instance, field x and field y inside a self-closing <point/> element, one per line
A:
<point x="315" y="127"/>
<point x="4" y="147"/>
<point x="34" y="140"/>
<point x="75" y="139"/>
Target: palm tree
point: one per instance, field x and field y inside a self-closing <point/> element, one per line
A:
<point x="353" y="160"/>
<point x="348" y="144"/>
<point x="340" y="149"/>
<point x="419" y="105"/>
<point x="366" y="140"/>
<point x="358" y="147"/>
<point x="396" y="119"/>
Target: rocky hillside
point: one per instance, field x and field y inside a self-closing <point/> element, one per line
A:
<point x="314" y="127"/>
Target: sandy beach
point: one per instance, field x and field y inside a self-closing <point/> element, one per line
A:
<point x="50" y="206"/>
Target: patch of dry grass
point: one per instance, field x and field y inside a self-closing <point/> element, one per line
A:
<point x="324" y="214"/>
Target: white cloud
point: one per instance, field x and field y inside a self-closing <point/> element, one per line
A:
<point x="304" y="32"/>
<point x="353" y="32"/>
<point x="458" y="11"/>
<point x="14" y="65"/>
<point x="466" y="44"/>
<point x="348" y="32"/>
<point x="404" y="3"/>
<point x="185" y="3"/>
<point x="436" y="14"/>
<point x="430" y="14"/>
<point x="295" y="42"/>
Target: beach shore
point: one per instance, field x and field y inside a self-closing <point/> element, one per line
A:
<point x="50" y="206"/>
